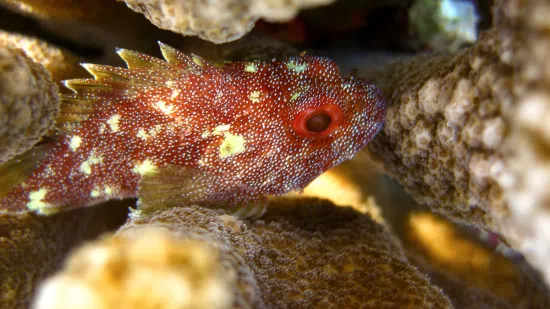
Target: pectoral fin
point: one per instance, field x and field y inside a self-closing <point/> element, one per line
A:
<point x="172" y="186"/>
<point x="175" y="186"/>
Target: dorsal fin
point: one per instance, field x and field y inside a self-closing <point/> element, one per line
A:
<point x="175" y="57"/>
<point x="135" y="60"/>
<point x="143" y="73"/>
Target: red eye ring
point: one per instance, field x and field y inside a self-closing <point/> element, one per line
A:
<point x="302" y="123"/>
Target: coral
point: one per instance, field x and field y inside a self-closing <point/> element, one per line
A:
<point x="29" y="102"/>
<point x="59" y="62"/>
<point x="525" y="39"/>
<point x="444" y="245"/>
<point x="461" y="295"/>
<point x="444" y="127"/>
<point x="219" y="21"/>
<point x="467" y="133"/>
<point x="141" y="268"/>
<point x="67" y="10"/>
<point x="444" y="25"/>
<point x="304" y="253"/>
<point x="32" y="247"/>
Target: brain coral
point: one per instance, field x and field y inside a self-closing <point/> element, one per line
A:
<point x="29" y="102"/>
<point x="305" y="253"/>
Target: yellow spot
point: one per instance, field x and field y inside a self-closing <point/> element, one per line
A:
<point x="36" y="199"/>
<point x="108" y="190"/>
<point x="142" y="134"/>
<point x="255" y="96"/>
<point x="95" y="193"/>
<point x="201" y="162"/>
<point x="295" y="96"/>
<point x="155" y="130"/>
<point x="221" y="128"/>
<point x="197" y="60"/>
<point x="113" y="122"/>
<point x="170" y="83"/>
<point x="217" y="130"/>
<point x="144" y="167"/>
<point x="163" y="107"/>
<point x="86" y="166"/>
<point x="232" y="145"/>
<point x="175" y="93"/>
<point x="298" y="68"/>
<point x="251" y="68"/>
<point x="75" y="142"/>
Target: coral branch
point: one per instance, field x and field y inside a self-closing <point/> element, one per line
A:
<point x="467" y="134"/>
<point x="28" y="105"/>
<point x="305" y="253"/>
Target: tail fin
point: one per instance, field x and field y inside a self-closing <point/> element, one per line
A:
<point x="16" y="170"/>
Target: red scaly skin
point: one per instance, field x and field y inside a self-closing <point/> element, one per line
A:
<point x="234" y="123"/>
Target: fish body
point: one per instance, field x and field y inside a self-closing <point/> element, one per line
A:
<point x="183" y="130"/>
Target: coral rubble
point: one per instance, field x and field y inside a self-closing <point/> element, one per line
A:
<point x="29" y="102"/>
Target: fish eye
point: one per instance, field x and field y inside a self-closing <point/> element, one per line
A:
<point x="318" y="121"/>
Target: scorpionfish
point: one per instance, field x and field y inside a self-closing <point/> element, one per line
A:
<point x="185" y="131"/>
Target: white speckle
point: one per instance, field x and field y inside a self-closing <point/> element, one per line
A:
<point x="86" y="166"/>
<point x="75" y="142"/>
<point x="255" y="96"/>
<point x="251" y="68"/>
<point x="143" y="134"/>
<point x="232" y="145"/>
<point x="144" y="167"/>
<point x="165" y="108"/>
<point x="36" y="199"/>
<point x="113" y="122"/>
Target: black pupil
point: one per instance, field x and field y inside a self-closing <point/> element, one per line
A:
<point x="318" y="123"/>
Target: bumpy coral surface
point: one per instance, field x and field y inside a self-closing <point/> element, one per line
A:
<point x="60" y="63"/>
<point x="218" y="21"/>
<point x="29" y="102"/>
<point x="467" y="134"/>
<point x="303" y="254"/>
<point x="143" y="268"/>
<point x="524" y="38"/>
<point x="444" y="128"/>
<point x="32" y="247"/>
